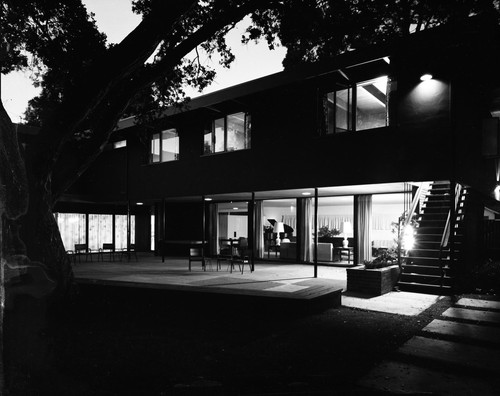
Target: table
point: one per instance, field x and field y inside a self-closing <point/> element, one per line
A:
<point x="340" y="250"/>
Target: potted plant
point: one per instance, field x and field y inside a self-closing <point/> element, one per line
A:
<point x="326" y="235"/>
<point x="377" y="276"/>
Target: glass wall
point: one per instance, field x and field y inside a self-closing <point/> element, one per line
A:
<point x="73" y="228"/>
<point x="100" y="230"/>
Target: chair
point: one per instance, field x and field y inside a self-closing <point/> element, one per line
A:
<point x="196" y="254"/>
<point x="107" y="248"/>
<point x="129" y="252"/>
<point x="225" y="253"/>
<point x="80" y="250"/>
<point x="241" y="258"/>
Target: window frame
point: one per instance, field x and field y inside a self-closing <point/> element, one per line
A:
<point x="159" y="136"/>
<point x="324" y="126"/>
<point x="210" y="130"/>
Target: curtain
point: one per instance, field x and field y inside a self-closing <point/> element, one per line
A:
<point x="364" y="227"/>
<point x="291" y="220"/>
<point x="121" y="231"/>
<point x="72" y="228"/>
<point x="213" y="229"/>
<point x="100" y="230"/>
<point x="223" y="225"/>
<point x="306" y="228"/>
<point x="333" y="221"/>
<point x="258" y="229"/>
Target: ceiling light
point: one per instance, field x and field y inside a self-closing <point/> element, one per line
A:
<point x="208" y="199"/>
<point x="139" y="203"/>
<point x="306" y="193"/>
<point x="425" y="77"/>
<point x="235" y="208"/>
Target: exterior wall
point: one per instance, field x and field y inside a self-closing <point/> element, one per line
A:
<point x="286" y="150"/>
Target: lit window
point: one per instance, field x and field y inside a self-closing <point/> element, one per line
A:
<point x="369" y="110"/>
<point x="119" y="144"/>
<point x="165" y="146"/>
<point x="229" y="133"/>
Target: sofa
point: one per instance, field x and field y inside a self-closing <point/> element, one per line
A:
<point x="288" y="251"/>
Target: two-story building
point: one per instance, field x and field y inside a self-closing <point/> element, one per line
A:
<point x="336" y="150"/>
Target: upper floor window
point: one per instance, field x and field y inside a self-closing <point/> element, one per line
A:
<point x="229" y="133"/>
<point x="165" y="146"/>
<point x="119" y="144"/>
<point x="356" y="108"/>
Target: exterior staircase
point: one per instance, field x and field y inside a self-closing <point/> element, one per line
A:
<point x="426" y="269"/>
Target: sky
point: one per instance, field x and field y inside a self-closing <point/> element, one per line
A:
<point x="115" y="18"/>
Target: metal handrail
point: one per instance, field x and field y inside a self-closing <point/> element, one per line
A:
<point x="416" y="200"/>
<point x="447" y="229"/>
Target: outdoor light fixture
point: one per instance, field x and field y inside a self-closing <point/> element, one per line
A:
<point x="425" y="77"/>
<point x="208" y="199"/>
<point x="497" y="191"/>
<point x="345" y="228"/>
<point x="408" y="239"/>
<point x="278" y="227"/>
<point x="306" y="193"/>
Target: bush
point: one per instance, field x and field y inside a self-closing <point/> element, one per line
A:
<point x="488" y="277"/>
<point x="384" y="259"/>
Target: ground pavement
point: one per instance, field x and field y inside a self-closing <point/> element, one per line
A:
<point x="455" y="354"/>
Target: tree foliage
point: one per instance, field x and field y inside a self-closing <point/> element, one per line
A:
<point x="313" y="30"/>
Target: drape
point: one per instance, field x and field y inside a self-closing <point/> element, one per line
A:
<point x="72" y="228"/>
<point x="223" y="226"/>
<point x="259" y="229"/>
<point x="306" y="228"/>
<point x="364" y="227"/>
<point x="291" y="220"/>
<point x="213" y="229"/>
<point x="121" y="231"/>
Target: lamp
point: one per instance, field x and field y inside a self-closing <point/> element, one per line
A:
<point x="346" y="228"/>
<point x="278" y="227"/>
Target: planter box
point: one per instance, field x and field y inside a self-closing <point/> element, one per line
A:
<point x="374" y="282"/>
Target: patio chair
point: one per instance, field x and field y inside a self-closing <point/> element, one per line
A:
<point x="241" y="257"/>
<point x="107" y="248"/>
<point x="81" y="249"/>
<point x="129" y="252"/>
<point x="196" y="254"/>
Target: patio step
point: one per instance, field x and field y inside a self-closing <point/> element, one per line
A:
<point x="424" y="288"/>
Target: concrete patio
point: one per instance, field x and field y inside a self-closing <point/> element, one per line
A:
<point x="270" y="280"/>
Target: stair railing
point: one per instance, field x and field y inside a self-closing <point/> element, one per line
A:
<point x="414" y="204"/>
<point x="402" y="224"/>
<point x="447" y="229"/>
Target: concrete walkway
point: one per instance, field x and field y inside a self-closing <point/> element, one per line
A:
<point x="456" y="354"/>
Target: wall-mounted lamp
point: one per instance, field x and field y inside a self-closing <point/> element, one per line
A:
<point x="497" y="191"/>
<point x="426" y="77"/>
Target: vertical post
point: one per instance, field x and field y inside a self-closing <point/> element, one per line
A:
<point x="127" y="191"/>
<point x="2" y="293"/>
<point x="253" y="232"/>
<point x="203" y="226"/>
<point x="316" y="232"/>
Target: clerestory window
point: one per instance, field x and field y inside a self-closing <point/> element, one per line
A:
<point x="357" y="108"/>
<point x="229" y="133"/>
<point x="165" y="146"/>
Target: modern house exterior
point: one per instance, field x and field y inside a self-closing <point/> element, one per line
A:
<point x="293" y="164"/>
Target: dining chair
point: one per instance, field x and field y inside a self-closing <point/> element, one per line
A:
<point x="196" y="254"/>
<point x="107" y="248"/>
